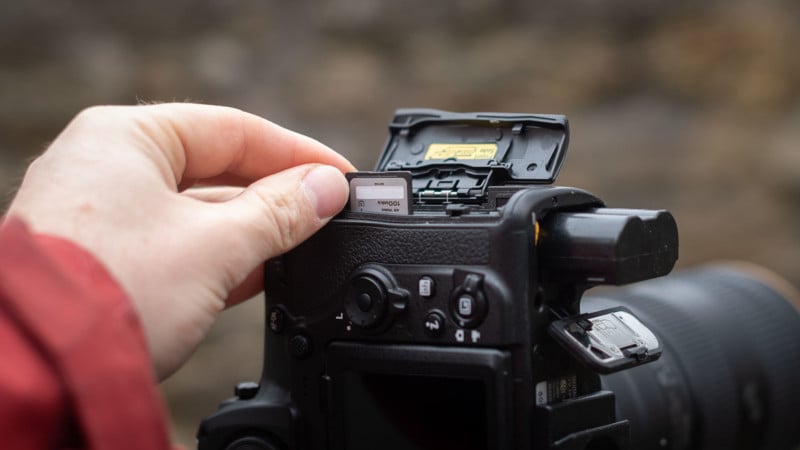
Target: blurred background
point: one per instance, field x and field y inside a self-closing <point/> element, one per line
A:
<point x="674" y="105"/>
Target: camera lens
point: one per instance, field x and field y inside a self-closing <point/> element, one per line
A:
<point x="728" y="376"/>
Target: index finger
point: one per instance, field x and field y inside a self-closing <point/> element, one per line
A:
<point x="206" y="142"/>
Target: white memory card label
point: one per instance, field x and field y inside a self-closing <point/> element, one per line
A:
<point x="380" y="192"/>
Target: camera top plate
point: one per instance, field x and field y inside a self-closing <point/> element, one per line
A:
<point x="456" y="157"/>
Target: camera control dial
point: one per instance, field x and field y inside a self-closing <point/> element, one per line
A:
<point x="373" y="296"/>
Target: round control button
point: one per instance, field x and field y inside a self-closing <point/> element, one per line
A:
<point x="300" y="346"/>
<point x="372" y="298"/>
<point x="468" y="304"/>
<point x="364" y="302"/>
<point x="434" y="323"/>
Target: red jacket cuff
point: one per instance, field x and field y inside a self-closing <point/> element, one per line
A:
<point x="79" y="339"/>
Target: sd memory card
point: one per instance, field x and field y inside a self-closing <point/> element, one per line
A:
<point x="380" y="192"/>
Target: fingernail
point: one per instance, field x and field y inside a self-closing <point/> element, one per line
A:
<point x="327" y="189"/>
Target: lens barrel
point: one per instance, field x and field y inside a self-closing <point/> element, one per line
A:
<point x="729" y="375"/>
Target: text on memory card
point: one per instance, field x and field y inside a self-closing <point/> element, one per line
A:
<point x="380" y="192"/>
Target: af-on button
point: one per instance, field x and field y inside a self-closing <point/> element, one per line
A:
<point x="468" y="304"/>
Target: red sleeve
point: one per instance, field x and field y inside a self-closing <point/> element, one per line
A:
<point x="74" y="366"/>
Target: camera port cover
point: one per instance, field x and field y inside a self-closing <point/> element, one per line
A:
<point x="608" y="340"/>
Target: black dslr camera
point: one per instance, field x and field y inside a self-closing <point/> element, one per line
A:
<point x="443" y="309"/>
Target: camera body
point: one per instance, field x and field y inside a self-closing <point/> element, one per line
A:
<point x="441" y="309"/>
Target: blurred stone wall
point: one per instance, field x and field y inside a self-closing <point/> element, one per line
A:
<point x="692" y="108"/>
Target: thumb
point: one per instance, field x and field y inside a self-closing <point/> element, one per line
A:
<point x="276" y="213"/>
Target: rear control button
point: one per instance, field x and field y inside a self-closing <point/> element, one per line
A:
<point x="300" y="346"/>
<point x="373" y="298"/>
<point x="364" y="302"/>
<point x="426" y="287"/>
<point x="434" y="323"/>
<point x="468" y="304"/>
<point x="277" y="320"/>
<point x="465" y="306"/>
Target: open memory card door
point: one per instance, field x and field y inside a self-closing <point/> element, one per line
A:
<point x="457" y="157"/>
<point x="608" y="340"/>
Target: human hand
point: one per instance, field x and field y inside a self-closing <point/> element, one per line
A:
<point x="115" y="182"/>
